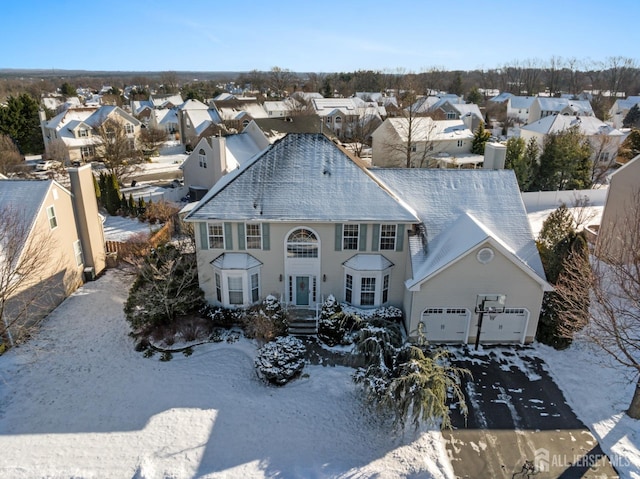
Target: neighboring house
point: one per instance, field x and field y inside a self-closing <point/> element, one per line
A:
<point x="165" y="119"/>
<point x="238" y="113"/>
<point x="548" y="106"/>
<point x="195" y="119"/>
<point x="76" y="127"/>
<point x="167" y="101"/>
<point x="456" y="111"/>
<point x="618" y="229"/>
<point x="429" y="138"/>
<point x="604" y="139"/>
<point x="68" y="222"/>
<point x="620" y="109"/>
<point x="501" y="97"/>
<point x="281" y="109"/>
<point x="380" y="99"/>
<point x="276" y="128"/>
<point x="336" y="113"/>
<point x="432" y="103"/>
<point x="303" y="220"/>
<point x="518" y="108"/>
<point x="215" y="156"/>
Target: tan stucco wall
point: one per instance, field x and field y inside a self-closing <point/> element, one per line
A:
<point x="458" y="287"/>
<point x="273" y="262"/>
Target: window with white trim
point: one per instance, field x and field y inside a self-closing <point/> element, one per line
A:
<point x="385" y="288"/>
<point x="253" y="234"/>
<point x="77" y="251"/>
<point x="348" y="288"/>
<point x="367" y="291"/>
<point x="234" y="284"/>
<point x="460" y="143"/>
<point x="218" y="287"/>
<point x="83" y="133"/>
<point x="387" y="237"/>
<point x="51" y="215"/>
<point x="302" y="243"/>
<point x="202" y="158"/>
<point x="128" y="127"/>
<point x="350" y="235"/>
<point x="255" y="287"/>
<point x="216" y="235"/>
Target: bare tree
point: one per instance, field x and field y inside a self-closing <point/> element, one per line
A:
<point x="151" y="139"/>
<point x="11" y="160"/>
<point x="279" y="80"/>
<point x="613" y="320"/>
<point x="618" y="73"/>
<point x="117" y="150"/>
<point x="170" y="82"/>
<point x="604" y="156"/>
<point x="26" y="261"/>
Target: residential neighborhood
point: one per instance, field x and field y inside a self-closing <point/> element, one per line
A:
<point x="214" y="266"/>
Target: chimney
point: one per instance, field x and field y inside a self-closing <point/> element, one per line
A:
<point x="495" y="155"/>
<point x="88" y="222"/>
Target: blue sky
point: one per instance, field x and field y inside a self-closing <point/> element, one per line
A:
<point x="303" y="35"/>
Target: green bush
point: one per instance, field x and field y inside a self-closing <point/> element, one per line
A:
<point x="280" y="361"/>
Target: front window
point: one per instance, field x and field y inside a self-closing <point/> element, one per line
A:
<point x="128" y="127"/>
<point x="388" y="237"/>
<point x="302" y="243"/>
<point x="82" y="133"/>
<point x="350" y="237"/>
<point x="367" y="291"/>
<point x="348" y="288"/>
<point x="51" y="215"/>
<point x="254" y="236"/>
<point x="218" y="287"/>
<point x="255" y="288"/>
<point x="86" y="152"/>
<point x="234" y="283"/>
<point x="216" y="236"/>
<point x="385" y="289"/>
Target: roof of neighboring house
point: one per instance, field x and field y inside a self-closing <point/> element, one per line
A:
<point x="460" y="209"/>
<point x="162" y="101"/>
<point x="138" y="106"/>
<point x="621" y="105"/>
<point x="276" y="128"/>
<point x="521" y="102"/>
<point x="324" y="106"/>
<point x="101" y="114"/>
<point x="302" y="177"/>
<point x="201" y="119"/>
<point x="559" y="104"/>
<point x="428" y="129"/>
<point x="165" y="116"/>
<point x="467" y="109"/>
<point x="237" y="109"/>
<point x="502" y="97"/>
<point x="588" y="125"/>
<point x="430" y="103"/>
<point x="70" y="116"/>
<point x="281" y="105"/>
<point x="193" y="105"/>
<point x="240" y="149"/>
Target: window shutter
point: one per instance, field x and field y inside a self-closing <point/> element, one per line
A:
<point x="363" y="237"/>
<point x="338" y="236"/>
<point x="399" y="237"/>
<point x="241" y="238"/>
<point x="375" y="238"/>
<point x="204" y="236"/>
<point x="228" y="238"/>
<point x="266" y="240"/>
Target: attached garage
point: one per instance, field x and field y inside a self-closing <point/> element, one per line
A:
<point x="507" y="327"/>
<point x="446" y="325"/>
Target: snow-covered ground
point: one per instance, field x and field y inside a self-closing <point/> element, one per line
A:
<point x="119" y="228"/>
<point x="78" y="401"/>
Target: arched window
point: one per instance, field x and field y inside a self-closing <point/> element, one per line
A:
<point x="302" y="243"/>
<point x="202" y="157"/>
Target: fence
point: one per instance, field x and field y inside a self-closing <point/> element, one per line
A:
<point x="140" y="246"/>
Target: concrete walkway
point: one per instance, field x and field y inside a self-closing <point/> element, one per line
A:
<point x="517" y="414"/>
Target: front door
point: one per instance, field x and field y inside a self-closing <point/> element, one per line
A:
<point x="302" y="290"/>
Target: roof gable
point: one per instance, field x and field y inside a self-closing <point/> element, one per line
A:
<point x="302" y="177"/>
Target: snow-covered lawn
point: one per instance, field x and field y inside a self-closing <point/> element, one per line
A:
<point x="121" y="228"/>
<point x="78" y="401"/>
<point x="599" y="391"/>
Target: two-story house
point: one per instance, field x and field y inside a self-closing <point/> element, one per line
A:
<point x="303" y="220"/>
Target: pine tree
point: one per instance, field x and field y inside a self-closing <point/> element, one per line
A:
<point x="142" y="207"/>
<point x="132" y="205"/>
<point x="112" y="200"/>
<point x="632" y="118"/>
<point x="20" y="119"/>
<point x="480" y="138"/>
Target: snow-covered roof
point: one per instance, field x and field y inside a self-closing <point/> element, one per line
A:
<point x="324" y="106"/>
<point x="467" y="109"/>
<point x="368" y="262"/>
<point x="201" y="119"/>
<point x="441" y="196"/>
<point x="137" y="106"/>
<point x="521" y="102"/>
<point x="193" y="105"/>
<point x="428" y="129"/>
<point x="162" y="101"/>
<point x="68" y="116"/>
<point x="502" y="97"/>
<point x="241" y="261"/>
<point x="588" y="125"/>
<point x="559" y="104"/>
<point x="166" y="116"/>
<point x="240" y="148"/>
<point x="302" y="177"/>
<point x="235" y="110"/>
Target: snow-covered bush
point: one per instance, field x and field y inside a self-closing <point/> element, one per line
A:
<point x="339" y="328"/>
<point x="266" y="321"/>
<point x="330" y="307"/>
<point x="219" y="316"/>
<point x="407" y="381"/>
<point x="281" y="360"/>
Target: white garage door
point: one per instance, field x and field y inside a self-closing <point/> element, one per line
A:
<point x="508" y="327"/>
<point x="446" y="325"/>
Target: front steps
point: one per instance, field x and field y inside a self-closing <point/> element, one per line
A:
<point x="302" y="322"/>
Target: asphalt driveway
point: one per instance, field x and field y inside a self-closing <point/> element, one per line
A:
<point x="517" y="414"/>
